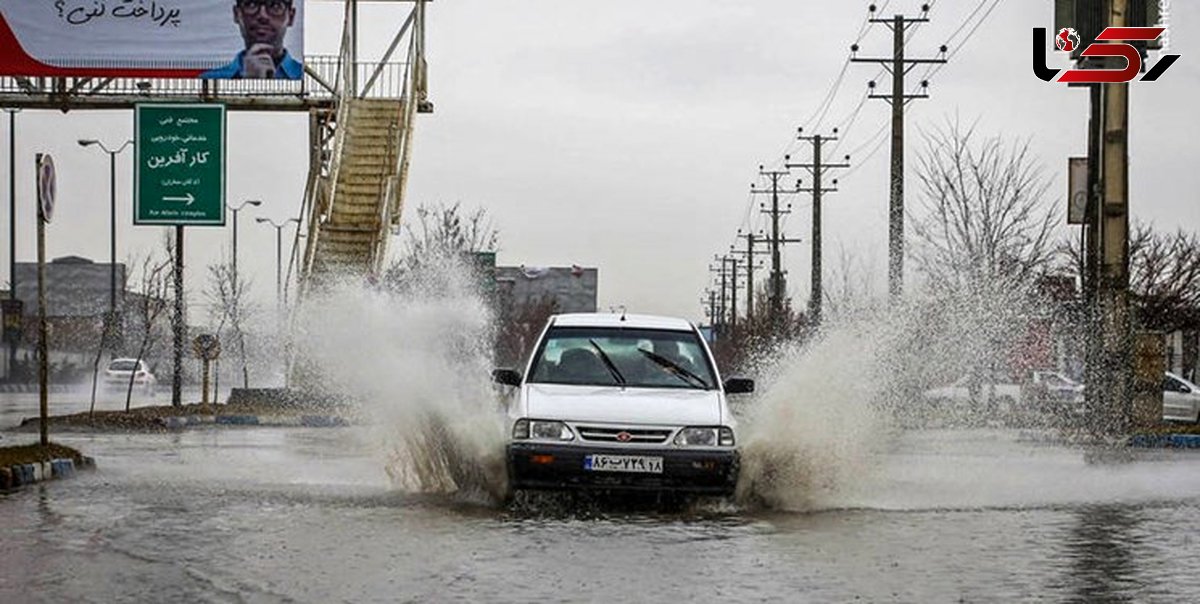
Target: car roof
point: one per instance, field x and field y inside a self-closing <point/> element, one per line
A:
<point x="621" y="320"/>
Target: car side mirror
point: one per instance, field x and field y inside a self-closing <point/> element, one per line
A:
<point x="739" y="386"/>
<point x="508" y="377"/>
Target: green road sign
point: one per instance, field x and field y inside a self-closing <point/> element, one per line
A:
<point x="179" y="174"/>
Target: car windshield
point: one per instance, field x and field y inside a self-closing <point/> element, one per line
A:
<point x="599" y="356"/>
<point x="123" y="365"/>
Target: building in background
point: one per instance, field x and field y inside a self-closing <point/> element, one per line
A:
<point x="571" y="289"/>
<point x="526" y="296"/>
<point x="77" y="300"/>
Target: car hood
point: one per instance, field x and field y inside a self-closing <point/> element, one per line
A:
<point x="601" y="404"/>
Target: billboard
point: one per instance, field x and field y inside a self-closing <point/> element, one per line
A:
<point x="217" y="39"/>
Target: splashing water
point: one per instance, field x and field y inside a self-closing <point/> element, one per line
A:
<point x="416" y="365"/>
<point x="810" y="434"/>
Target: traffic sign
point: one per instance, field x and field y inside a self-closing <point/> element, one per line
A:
<point x="179" y="172"/>
<point x="207" y="347"/>
<point x="46" y="186"/>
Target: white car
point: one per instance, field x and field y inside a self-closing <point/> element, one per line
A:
<point x="1055" y="386"/>
<point x="962" y="394"/>
<point x="116" y="376"/>
<point x="622" y="402"/>
<point x="1181" y="399"/>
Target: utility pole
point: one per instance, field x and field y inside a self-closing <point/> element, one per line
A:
<point x="712" y="311"/>
<point x="733" y="287"/>
<point x="722" y="305"/>
<point x="776" y="240"/>
<point x="12" y="231"/>
<point x="748" y="257"/>
<point x="898" y="66"/>
<point x="815" y="168"/>
<point x="1116" y="342"/>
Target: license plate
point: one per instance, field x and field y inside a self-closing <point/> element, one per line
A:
<point x="623" y="463"/>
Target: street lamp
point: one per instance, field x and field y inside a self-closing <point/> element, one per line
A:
<point x="235" y="210"/>
<point x="112" y="235"/>
<point x="12" y="225"/>
<point x="278" y="254"/>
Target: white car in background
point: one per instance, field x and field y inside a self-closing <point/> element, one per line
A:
<point x="996" y="392"/>
<point x="1181" y="399"/>
<point x="118" y="372"/>
<point x="622" y="402"/>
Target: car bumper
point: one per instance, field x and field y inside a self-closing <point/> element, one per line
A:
<point x="562" y="467"/>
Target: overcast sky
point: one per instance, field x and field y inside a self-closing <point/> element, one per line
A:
<point x="625" y="135"/>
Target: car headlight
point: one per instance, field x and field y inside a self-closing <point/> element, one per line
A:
<point x="705" y="437"/>
<point x="525" y="429"/>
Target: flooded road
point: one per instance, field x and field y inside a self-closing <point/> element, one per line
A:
<point x="308" y="515"/>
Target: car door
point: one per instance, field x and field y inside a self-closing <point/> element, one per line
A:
<point x="1177" y="400"/>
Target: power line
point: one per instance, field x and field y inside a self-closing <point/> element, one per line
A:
<point x="878" y="141"/>
<point x="933" y="70"/>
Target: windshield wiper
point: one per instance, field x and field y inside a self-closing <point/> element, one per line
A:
<point x="674" y="369"/>
<point x="616" y="373"/>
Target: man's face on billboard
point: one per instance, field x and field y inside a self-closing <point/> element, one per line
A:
<point x="264" y="21"/>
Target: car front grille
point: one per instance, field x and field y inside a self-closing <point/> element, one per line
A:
<point x="610" y="435"/>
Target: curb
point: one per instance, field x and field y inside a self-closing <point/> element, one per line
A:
<point x="1165" y="441"/>
<point x="30" y="388"/>
<point x="282" y="421"/>
<point x="20" y="475"/>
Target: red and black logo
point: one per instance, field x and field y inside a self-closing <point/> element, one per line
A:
<point x="1112" y="42"/>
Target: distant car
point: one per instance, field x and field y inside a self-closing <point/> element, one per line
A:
<point x="975" y="392"/>
<point x="116" y="376"/>
<point x="1056" y="387"/>
<point x="1044" y="390"/>
<point x="618" y="402"/>
<point x="1181" y="399"/>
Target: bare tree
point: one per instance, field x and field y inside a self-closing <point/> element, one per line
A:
<point x="850" y="284"/>
<point x="984" y="236"/>
<point x="519" y="328"/>
<point x="1164" y="276"/>
<point x="151" y="305"/>
<point x="109" y="330"/>
<point x="446" y="231"/>
<point x="441" y="247"/>
<point x="987" y="221"/>
<point x="227" y="299"/>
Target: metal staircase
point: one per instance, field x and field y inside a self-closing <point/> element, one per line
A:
<point x="359" y="170"/>
<point x="352" y="236"/>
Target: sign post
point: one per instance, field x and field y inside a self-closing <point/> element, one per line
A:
<point x="207" y="348"/>
<point x="179" y="180"/>
<point x="46" y="188"/>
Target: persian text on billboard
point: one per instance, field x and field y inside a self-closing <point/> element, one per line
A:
<point x="222" y="39"/>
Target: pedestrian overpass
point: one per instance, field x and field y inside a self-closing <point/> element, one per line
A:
<point x="361" y="120"/>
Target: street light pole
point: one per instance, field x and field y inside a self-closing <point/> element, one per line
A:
<point x="12" y="226"/>
<point x="112" y="237"/>
<point x="278" y="255"/>
<point x="235" y="210"/>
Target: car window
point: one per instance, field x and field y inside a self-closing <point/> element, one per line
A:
<point x="1185" y="382"/>
<point x="1171" y="384"/>
<point x="122" y="365"/>
<point x="642" y="357"/>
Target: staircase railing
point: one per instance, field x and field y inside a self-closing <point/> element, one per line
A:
<point x="346" y="94"/>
